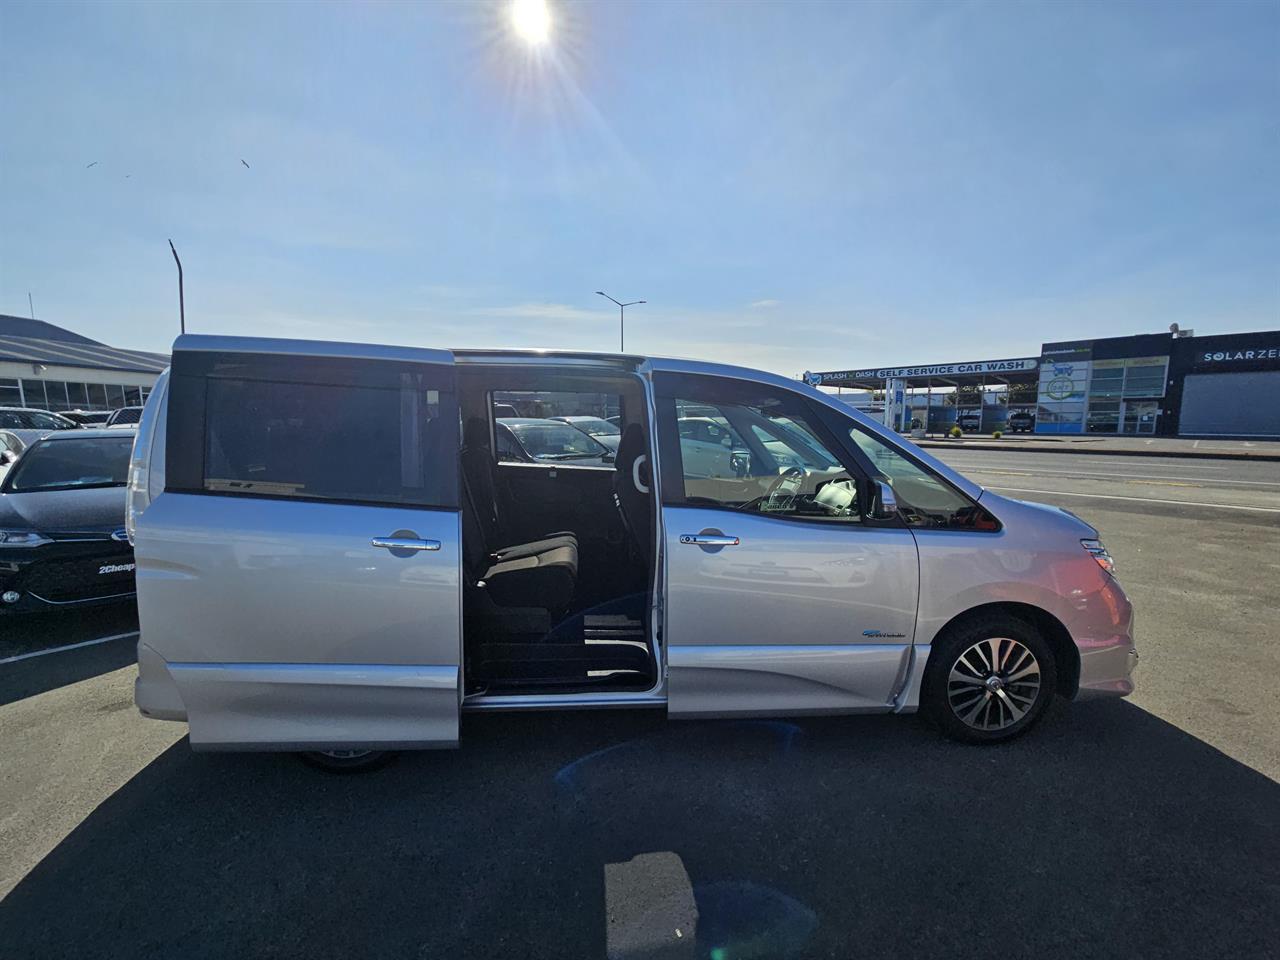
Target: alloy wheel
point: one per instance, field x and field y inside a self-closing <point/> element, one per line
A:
<point x="993" y="684"/>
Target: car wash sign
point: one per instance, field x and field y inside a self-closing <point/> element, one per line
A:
<point x="937" y="370"/>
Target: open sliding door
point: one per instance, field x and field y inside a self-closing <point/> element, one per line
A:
<point x="300" y="574"/>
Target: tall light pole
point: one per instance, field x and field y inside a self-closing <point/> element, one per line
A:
<point x="182" y="303"/>
<point x="622" y="319"/>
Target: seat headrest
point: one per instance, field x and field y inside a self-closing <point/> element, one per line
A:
<point x="475" y="432"/>
<point x="630" y="446"/>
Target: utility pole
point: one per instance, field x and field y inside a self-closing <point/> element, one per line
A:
<point x="622" y="319"/>
<point x="31" y="307"/>
<point x="182" y="307"/>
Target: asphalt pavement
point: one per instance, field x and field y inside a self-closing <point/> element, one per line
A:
<point x="1137" y="828"/>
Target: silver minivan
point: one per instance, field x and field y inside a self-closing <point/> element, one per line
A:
<point x="335" y="556"/>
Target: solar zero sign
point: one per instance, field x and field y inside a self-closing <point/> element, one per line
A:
<point x="917" y="373"/>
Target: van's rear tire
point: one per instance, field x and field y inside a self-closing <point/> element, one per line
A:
<point x="989" y="679"/>
<point x="347" y="761"/>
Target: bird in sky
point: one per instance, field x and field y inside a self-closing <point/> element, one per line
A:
<point x="246" y="166"/>
<point x="88" y="165"/>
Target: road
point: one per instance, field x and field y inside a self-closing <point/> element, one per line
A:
<point x="1139" y="828"/>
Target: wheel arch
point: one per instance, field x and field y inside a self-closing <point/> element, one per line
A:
<point x="1066" y="655"/>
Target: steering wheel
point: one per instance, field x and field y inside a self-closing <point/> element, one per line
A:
<point x="773" y="497"/>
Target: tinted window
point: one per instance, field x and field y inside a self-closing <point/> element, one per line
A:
<point x="69" y="464"/>
<point x="316" y="441"/>
<point x="760" y="453"/>
<point x="924" y="500"/>
<point x="312" y="428"/>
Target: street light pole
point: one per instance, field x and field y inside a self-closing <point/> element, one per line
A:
<point x="182" y="303"/>
<point x="622" y="319"/>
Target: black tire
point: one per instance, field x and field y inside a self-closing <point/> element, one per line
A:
<point x="347" y="761"/>
<point x="994" y="717"/>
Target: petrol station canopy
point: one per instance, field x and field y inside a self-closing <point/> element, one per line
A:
<point x="974" y="373"/>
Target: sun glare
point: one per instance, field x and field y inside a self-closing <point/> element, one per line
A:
<point x="531" y="21"/>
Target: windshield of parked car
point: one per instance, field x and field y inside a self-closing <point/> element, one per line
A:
<point x="125" y="415"/>
<point x="596" y="426"/>
<point x="556" y="441"/>
<point x="72" y="464"/>
<point x="34" y="420"/>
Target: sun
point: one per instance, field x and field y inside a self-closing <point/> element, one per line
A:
<point x="531" y="21"/>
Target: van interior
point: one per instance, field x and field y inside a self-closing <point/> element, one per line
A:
<point x="557" y="530"/>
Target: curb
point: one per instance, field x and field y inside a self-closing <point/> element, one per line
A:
<point x="1177" y="454"/>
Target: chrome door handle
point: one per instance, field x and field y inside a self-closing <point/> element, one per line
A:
<point x="404" y="543"/>
<point x="709" y="539"/>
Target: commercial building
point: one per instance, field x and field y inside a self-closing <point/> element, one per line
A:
<point x="51" y="368"/>
<point x="1162" y="384"/>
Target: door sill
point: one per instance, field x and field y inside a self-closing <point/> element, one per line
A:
<point x="564" y="701"/>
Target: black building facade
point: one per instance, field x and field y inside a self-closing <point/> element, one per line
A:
<point x="1225" y="386"/>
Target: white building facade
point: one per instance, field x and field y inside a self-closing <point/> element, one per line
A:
<point x="47" y="367"/>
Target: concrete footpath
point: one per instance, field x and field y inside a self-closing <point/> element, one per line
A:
<point x="1256" y="450"/>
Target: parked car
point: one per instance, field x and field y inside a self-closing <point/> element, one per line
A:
<point x="602" y="430"/>
<point x="548" y="441"/>
<point x="969" y="422"/>
<point x="87" y="418"/>
<point x="124" y="417"/>
<point x="712" y="447"/>
<point x="10" y="446"/>
<point x="293" y="597"/>
<point x="62" y="536"/>
<point x="505" y="410"/>
<point x="30" y="425"/>
<point x="1022" y="421"/>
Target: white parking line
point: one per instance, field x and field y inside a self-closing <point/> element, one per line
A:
<point x="1126" y="476"/>
<point x="1109" y="496"/>
<point x="69" y="646"/>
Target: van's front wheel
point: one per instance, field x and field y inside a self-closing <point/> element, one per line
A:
<point x="989" y="680"/>
<point x="347" y="761"/>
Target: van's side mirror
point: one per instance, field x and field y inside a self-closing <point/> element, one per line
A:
<point x="886" y="503"/>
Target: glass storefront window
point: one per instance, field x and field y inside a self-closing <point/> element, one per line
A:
<point x="55" y="392"/>
<point x="10" y="396"/>
<point x="1145" y="380"/>
<point x="1103" y="417"/>
<point x="1107" y="382"/>
<point x="33" y="393"/>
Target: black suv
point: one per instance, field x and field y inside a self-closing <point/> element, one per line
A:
<point x="1022" y="422"/>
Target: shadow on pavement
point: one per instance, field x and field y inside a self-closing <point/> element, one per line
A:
<point x="28" y="677"/>
<point x="30" y="632"/>
<point x="1106" y="832"/>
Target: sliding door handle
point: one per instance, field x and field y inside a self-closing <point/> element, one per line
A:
<point x="709" y="539"/>
<point x="404" y="543"/>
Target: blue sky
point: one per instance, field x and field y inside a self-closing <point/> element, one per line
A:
<point x="791" y="186"/>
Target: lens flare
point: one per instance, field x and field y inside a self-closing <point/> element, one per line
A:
<point x="531" y="21"/>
